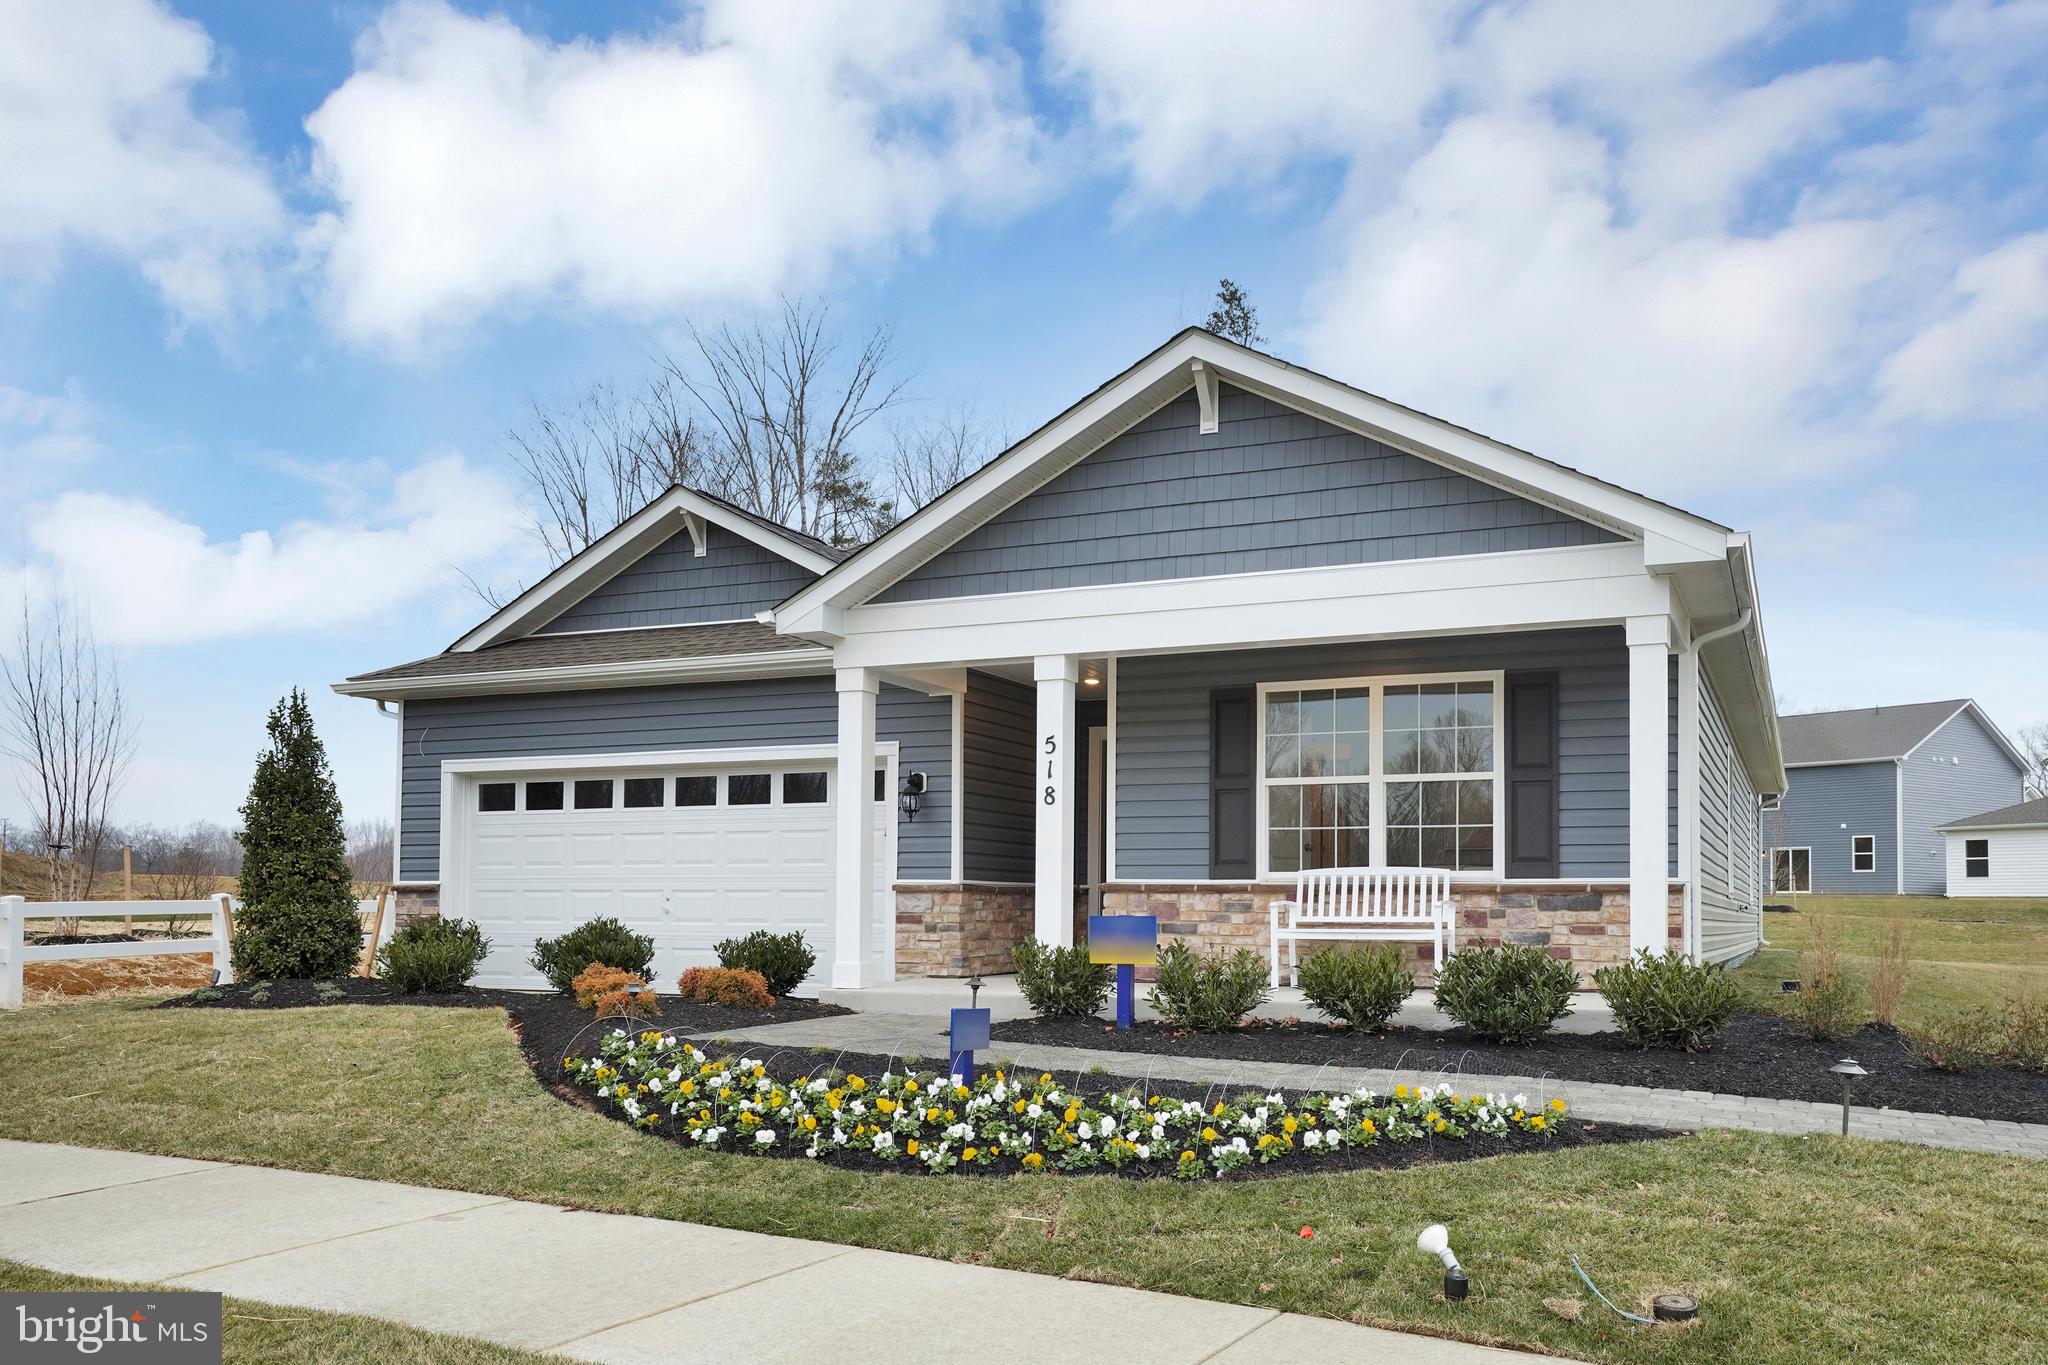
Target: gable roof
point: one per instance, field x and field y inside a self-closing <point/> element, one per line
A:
<point x="1198" y="359"/>
<point x="594" y="659"/>
<point x="2026" y="815"/>
<point x="1873" y="734"/>
<point x="680" y="508"/>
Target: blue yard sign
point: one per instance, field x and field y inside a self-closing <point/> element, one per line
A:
<point x="1127" y="942"/>
<point x="970" y="1035"/>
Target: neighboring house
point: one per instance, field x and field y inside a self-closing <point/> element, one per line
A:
<point x="1871" y="788"/>
<point x="2002" y="852"/>
<point x="1222" y="619"/>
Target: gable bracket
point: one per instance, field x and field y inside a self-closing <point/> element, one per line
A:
<point x="1205" y="394"/>
<point x="697" y="533"/>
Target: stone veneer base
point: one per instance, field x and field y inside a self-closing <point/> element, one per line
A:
<point x="412" y="901"/>
<point x="1583" y="923"/>
<point x="949" y="929"/>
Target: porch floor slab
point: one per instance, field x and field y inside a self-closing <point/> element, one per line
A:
<point x="933" y="998"/>
<point x="924" y="1036"/>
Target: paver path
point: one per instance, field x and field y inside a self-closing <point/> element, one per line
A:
<point x="524" y="1275"/>
<point x="922" y="1035"/>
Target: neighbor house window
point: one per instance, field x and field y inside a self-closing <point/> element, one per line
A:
<point x="1364" y="772"/>
<point x="643" y="792"/>
<point x="696" y="791"/>
<point x="747" y="789"/>
<point x="543" y="796"/>
<point x="1976" y="857"/>
<point x="1792" y="869"/>
<point x="593" y="793"/>
<point x="495" y="796"/>
<point x="1863" y="853"/>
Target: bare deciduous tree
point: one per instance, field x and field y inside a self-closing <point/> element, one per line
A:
<point x="65" y="721"/>
<point x="2033" y="742"/>
<point x="784" y="407"/>
<point x="369" y="852"/>
<point x="927" y="459"/>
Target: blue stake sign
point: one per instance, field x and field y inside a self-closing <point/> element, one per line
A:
<point x="970" y="1035"/>
<point x="1127" y="942"/>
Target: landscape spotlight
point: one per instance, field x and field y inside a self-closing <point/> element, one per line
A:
<point x="1436" y="1240"/>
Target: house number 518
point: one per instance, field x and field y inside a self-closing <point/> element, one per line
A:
<point x="1052" y="746"/>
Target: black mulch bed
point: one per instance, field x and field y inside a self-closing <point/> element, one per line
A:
<point x="1757" y="1054"/>
<point x="678" y="1016"/>
<point x="139" y="936"/>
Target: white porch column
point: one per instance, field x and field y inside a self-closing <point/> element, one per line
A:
<point x="1052" y="794"/>
<point x="1689" y="794"/>
<point x="853" y="881"/>
<point x="1649" y="777"/>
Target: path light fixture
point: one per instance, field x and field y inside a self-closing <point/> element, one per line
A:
<point x="633" y="990"/>
<point x="974" y="985"/>
<point x="1436" y="1240"/>
<point x="1848" y="1070"/>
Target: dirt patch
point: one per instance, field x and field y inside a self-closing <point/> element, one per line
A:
<point x="48" y="982"/>
<point x="1757" y="1054"/>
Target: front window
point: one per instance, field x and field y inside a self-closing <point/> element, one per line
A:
<point x="1863" y="853"/>
<point x="1976" y="857"/>
<point x="1365" y="773"/>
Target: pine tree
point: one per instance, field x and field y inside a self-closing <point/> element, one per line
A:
<point x="298" y="915"/>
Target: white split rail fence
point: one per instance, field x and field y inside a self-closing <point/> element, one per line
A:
<point x="16" y="952"/>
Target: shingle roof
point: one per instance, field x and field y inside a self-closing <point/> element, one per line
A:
<point x="1863" y="735"/>
<point x="599" y="647"/>
<point x="2033" y="812"/>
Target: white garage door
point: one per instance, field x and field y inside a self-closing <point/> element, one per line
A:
<point x="686" y="856"/>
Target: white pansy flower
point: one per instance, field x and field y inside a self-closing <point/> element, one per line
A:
<point x="764" y="1137"/>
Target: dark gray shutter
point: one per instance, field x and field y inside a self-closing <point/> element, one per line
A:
<point x="1233" y="783"/>
<point x="1530" y="778"/>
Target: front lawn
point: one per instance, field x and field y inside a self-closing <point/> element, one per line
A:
<point x="1964" y="953"/>
<point x="1799" y="1248"/>
<point x="264" y="1334"/>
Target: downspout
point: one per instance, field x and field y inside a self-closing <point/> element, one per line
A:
<point x="1692" y="874"/>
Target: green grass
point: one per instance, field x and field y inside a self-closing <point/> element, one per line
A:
<point x="1799" y="1248"/>
<point x="264" y="1334"/>
<point x="1964" y="952"/>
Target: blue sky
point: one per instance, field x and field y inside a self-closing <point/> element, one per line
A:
<point x="276" y="280"/>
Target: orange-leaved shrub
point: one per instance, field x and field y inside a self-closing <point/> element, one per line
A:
<point x="596" y="981"/>
<point x="615" y="1003"/>
<point x="740" y="987"/>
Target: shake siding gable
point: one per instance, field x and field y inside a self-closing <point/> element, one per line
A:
<point x="1938" y="791"/>
<point x="1272" y="489"/>
<point x="730" y="715"/>
<point x="671" y="586"/>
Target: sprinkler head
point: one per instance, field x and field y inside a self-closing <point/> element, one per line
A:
<point x="1674" y="1308"/>
<point x="1456" y="1285"/>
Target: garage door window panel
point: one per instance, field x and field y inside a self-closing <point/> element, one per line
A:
<point x="493" y="797"/>
<point x="804" y="789"/>
<point x="544" y="796"/>
<point x="593" y="793"/>
<point x="748" y="789"/>
<point x="700" y="790"/>
<point x="644" y="793"/>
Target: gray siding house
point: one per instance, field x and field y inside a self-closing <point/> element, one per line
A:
<point x="1870" y="790"/>
<point x="1222" y="621"/>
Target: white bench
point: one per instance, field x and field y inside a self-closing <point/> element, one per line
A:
<point x="1378" y="903"/>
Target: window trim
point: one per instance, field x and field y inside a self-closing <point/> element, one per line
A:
<point x="1857" y="855"/>
<point x="1790" y="890"/>
<point x="1983" y="858"/>
<point x="1376" y="778"/>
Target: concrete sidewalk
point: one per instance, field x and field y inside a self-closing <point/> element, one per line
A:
<point x="922" y="1035"/>
<point x="609" y="1287"/>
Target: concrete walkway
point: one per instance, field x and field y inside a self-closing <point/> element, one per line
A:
<point x="925" y="1036"/>
<point x="608" y="1287"/>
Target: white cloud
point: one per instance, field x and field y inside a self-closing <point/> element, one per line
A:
<point x="149" y="578"/>
<point x="41" y="433"/>
<point x="101" y="148"/>
<point x="476" y="166"/>
<point x="1989" y="357"/>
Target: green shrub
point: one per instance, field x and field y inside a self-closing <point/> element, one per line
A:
<point x="1509" y="994"/>
<point x="432" y="956"/>
<point x="1961" y="1041"/>
<point x="1208" y="994"/>
<point x="601" y="940"/>
<point x="1360" y="986"/>
<point x="1666" y="1001"/>
<point x="284" y="940"/>
<point x="1060" y="982"/>
<point x="783" y="960"/>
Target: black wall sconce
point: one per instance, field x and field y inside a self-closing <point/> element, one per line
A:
<point x="912" y="799"/>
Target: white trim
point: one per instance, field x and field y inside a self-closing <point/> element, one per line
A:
<point x="1968" y="839"/>
<point x="597" y="563"/>
<point x="1376" y="778"/>
<point x="1689" y="703"/>
<point x="1166" y="373"/>
<point x="1650" y="641"/>
<point x="398" y="803"/>
<point x="1518" y="590"/>
<point x="1207" y="393"/>
<point x="670" y="625"/>
<point x="1972" y="829"/>
<point x="1899" y="828"/>
<point x="959" y="813"/>
<point x="775" y="755"/>
<point x="1854" y="854"/>
<point x="782" y="663"/>
<point x="1052" y="801"/>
